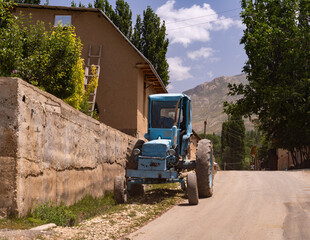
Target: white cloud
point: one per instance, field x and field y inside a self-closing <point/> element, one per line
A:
<point x="178" y="72"/>
<point x="170" y="87"/>
<point x="215" y="59"/>
<point x="201" y="53"/>
<point x="186" y="25"/>
<point x="210" y="74"/>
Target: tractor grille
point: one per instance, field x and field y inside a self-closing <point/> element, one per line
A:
<point x="156" y="148"/>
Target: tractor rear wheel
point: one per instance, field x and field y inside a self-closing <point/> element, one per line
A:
<point x="120" y="194"/>
<point x="192" y="190"/>
<point x="204" y="168"/>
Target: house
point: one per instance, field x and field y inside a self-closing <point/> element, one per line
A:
<point x="126" y="77"/>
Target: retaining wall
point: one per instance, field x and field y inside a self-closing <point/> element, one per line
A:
<point x="49" y="151"/>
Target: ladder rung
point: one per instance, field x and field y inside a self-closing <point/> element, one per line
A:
<point x="92" y="65"/>
<point x="94" y="56"/>
<point x="89" y="75"/>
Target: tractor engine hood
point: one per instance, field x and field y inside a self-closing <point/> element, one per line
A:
<point x="156" y="148"/>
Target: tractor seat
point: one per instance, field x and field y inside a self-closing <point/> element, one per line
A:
<point x="166" y="122"/>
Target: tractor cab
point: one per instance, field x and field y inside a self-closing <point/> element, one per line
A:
<point x="169" y="121"/>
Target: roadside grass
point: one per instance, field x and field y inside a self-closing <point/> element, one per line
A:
<point x="140" y="209"/>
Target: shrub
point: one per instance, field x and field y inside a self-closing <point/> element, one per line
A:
<point x="49" y="58"/>
<point x="60" y="215"/>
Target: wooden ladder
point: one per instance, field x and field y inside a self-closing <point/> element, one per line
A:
<point x="88" y="74"/>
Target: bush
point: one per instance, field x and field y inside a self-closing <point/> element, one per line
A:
<point x="60" y="215"/>
<point x="47" y="58"/>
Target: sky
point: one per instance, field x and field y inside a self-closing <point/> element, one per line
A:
<point x="204" y="38"/>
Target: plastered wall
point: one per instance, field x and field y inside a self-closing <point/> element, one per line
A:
<point x="51" y="152"/>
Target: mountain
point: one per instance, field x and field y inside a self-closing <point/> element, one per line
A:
<point x="207" y="103"/>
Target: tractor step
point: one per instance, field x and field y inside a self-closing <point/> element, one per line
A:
<point x="151" y="174"/>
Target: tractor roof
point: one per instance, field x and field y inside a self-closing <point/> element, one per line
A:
<point x="168" y="96"/>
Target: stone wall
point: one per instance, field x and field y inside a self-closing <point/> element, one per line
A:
<point x="49" y="151"/>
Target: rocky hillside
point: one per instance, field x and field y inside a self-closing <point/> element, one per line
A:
<point x="207" y="103"/>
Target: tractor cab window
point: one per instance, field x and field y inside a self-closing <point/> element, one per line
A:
<point x="163" y="114"/>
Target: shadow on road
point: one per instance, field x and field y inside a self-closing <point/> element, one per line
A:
<point x="156" y="196"/>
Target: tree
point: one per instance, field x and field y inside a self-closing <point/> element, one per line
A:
<point x="276" y="40"/>
<point x="73" y="4"/>
<point x="150" y="38"/>
<point x="233" y="142"/>
<point x="216" y="141"/>
<point x="105" y="6"/>
<point x="136" y="38"/>
<point x="28" y="1"/>
<point x="122" y="18"/>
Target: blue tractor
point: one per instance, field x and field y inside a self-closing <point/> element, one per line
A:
<point x="164" y="157"/>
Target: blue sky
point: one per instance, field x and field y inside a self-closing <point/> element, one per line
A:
<point x="204" y="38"/>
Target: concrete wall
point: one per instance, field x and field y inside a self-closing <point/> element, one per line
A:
<point x="51" y="152"/>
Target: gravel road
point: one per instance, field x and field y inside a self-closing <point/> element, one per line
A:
<point x="245" y="205"/>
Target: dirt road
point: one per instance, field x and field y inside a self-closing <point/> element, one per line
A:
<point x="245" y="205"/>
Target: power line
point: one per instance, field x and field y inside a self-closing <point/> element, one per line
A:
<point x="201" y="23"/>
<point x="203" y="16"/>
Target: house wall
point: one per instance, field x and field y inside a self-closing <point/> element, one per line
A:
<point x="49" y="151"/>
<point x="284" y="159"/>
<point x="120" y="86"/>
<point x="144" y="90"/>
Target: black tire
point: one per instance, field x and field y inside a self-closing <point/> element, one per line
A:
<point x="120" y="195"/>
<point x="204" y="168"/>
<point x="192" y="190"/>
<point x="131" y="164"/>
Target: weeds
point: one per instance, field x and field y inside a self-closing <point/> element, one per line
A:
<point x="120" y="219"/>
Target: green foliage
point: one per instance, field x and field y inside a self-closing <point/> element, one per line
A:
<point x="233" y="142"/>
<point x="252" y="138"/>
<point x="63" y="215"/>
<point x="30" y="51"/>
<point x="82" y="98"/>
<point x="47" y="58"/>
<point x="60" y="215"/>
<point x="276" y="40"/>
<point x="73" y="4"/>
<point x="137" y="34"/>
<point x="122" y="18"/>
<point x="105" y="6"/>
<point x="150" y="38"/>
<point x="5" y="14"/>
<point x="25" y="1"/>
<point x="216" y="141"/>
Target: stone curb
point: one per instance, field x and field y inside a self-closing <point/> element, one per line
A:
<point x="44" y="227"/>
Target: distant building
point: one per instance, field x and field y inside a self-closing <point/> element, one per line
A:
<point x="126" y="77"/>
<point x="284" y="159"/>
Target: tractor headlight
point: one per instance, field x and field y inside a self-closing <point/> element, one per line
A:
<point x="171" y="152"/>
<point x="136" y="151"/>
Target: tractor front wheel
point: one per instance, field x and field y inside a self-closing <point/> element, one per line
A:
<point x="192" y="190"/>
<point x="120" y="194"/>
<point x="204" y="168"/>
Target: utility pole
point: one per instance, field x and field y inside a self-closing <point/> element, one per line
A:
<point x="204" y="129"/>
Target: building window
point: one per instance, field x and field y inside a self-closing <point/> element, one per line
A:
<point x="63" y="20"/>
